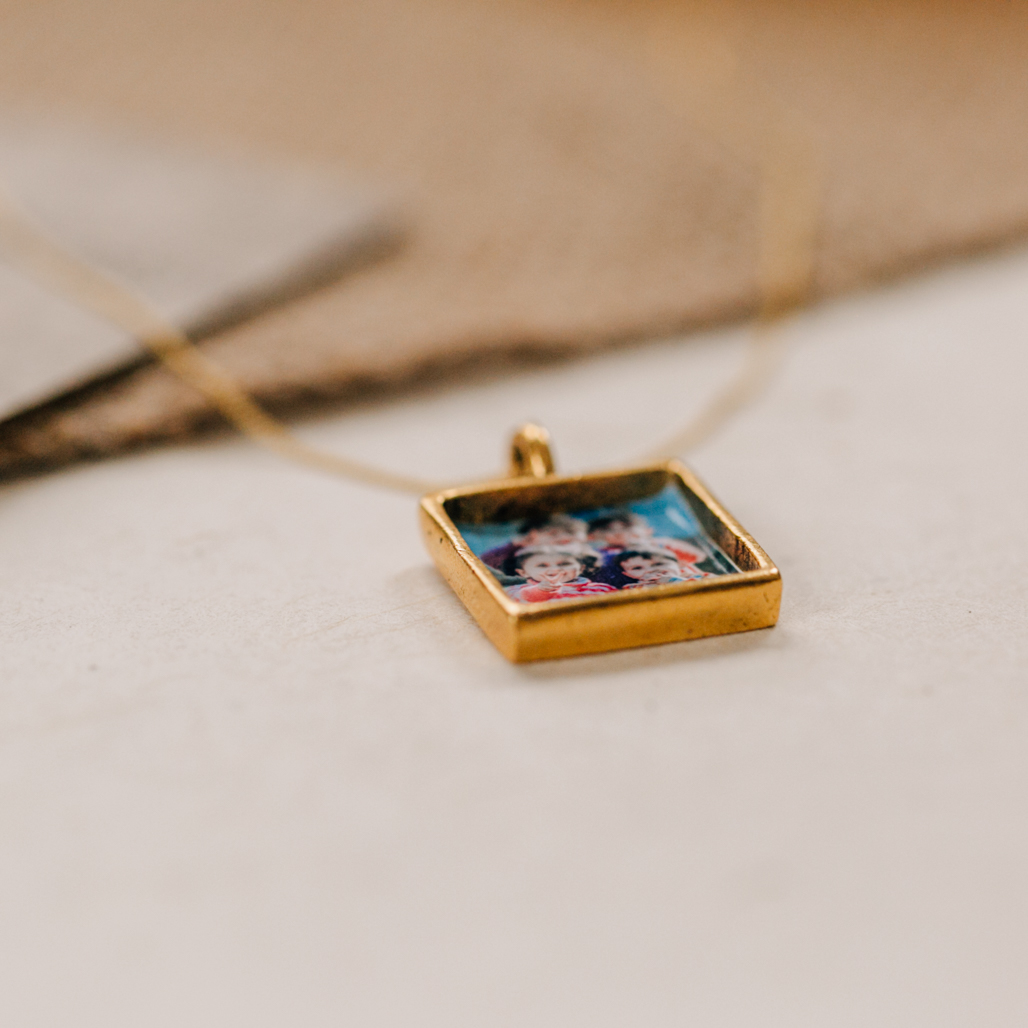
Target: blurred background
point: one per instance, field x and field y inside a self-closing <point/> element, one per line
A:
<point x="564" y="175"/>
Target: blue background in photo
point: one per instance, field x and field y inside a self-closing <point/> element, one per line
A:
<point x="667" y="512"/>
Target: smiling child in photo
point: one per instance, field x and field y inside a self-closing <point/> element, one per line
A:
<point x="552" y="530"/>
<point x="553" y="573"/>
<point x="634" y="569"/>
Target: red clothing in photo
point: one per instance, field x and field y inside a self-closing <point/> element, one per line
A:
<point x="533" y="592"/>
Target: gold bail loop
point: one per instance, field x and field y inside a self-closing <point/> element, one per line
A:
<point x="530" y="452"/>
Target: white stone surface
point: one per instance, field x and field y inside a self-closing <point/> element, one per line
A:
<point x="258" y="767"/>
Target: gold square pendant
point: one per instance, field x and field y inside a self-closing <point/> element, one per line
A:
<point x="554" y="566"/>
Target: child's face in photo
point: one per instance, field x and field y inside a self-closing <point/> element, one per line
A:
<point x="550" y="568"/>
<point x="549" y="535"/>
<point x="622" y="535"/>
<point x="650" y="570"/>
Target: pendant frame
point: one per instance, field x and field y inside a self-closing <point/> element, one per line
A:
<point x="737" y="602"/>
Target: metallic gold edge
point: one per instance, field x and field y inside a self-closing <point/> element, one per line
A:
<point x="723" y="583"/>
<point x="694" y="483"/>
<point x="751" y="606"/>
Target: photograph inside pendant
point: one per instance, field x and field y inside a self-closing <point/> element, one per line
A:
<point x="654" y="540"/>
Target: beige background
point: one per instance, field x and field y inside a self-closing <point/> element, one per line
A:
<point x="578" y="172"/>
<point x="258" y="767"/>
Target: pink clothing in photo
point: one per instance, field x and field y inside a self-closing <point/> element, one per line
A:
<point x="533" y="592"/>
